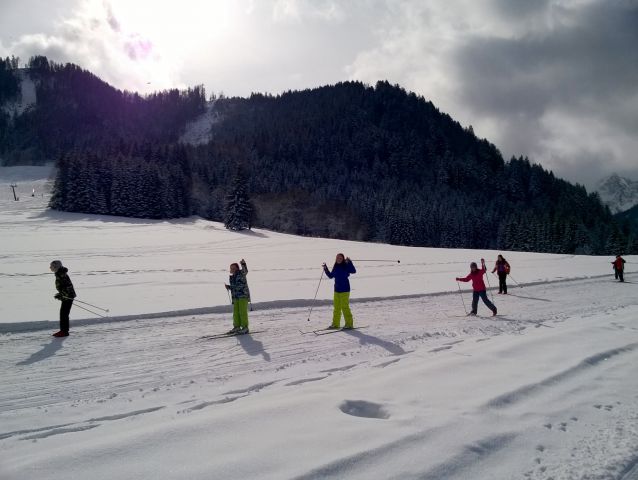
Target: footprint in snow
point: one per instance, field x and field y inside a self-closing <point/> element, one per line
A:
<point x="363" y="408"/>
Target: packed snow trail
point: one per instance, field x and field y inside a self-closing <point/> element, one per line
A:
<point x="548" y="389"/>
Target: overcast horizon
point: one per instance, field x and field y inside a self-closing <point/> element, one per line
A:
<point x="553" y="80"/>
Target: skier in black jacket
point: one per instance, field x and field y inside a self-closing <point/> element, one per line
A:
<point x="66" y="294"/>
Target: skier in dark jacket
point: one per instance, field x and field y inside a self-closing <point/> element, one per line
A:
<point x="240" y="294"/>
<point x="502" y="268"/>
<point x="341" y="270"/>
<point x="66" y="294"/>
<point x="619" y="268"/>
<point x="478" y="285"/>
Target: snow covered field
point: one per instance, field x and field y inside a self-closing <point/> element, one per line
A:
<point x="548" y="389"/>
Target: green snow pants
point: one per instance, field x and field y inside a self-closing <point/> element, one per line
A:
<point x="342" y="304"/>
<point x="240" y="312"/>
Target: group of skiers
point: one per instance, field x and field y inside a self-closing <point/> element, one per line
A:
<point x="342" y="269"/>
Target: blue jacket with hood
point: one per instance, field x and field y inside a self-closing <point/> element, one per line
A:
<point x="340" y="273"/>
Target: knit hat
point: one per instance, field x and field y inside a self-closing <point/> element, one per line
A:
<point x="56" y="265"/>
<point x="474" y="265"/>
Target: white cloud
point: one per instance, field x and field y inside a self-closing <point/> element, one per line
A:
<point x="91" y="36"/>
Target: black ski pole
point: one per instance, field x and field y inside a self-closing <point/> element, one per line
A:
<point x="87" y="303"/>
<point x="314" y="300"/>
<point x="91" y="311"/>
<point x="514" y="280"/>
<point x="230" y="299"/>
<point x="488" y="283"/>
<point x="461" y="293"/>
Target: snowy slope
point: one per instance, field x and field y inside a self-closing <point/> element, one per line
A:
<point x="135" y="267"/>
<point x="619" y="193"/>
<point x="547" y="389"/>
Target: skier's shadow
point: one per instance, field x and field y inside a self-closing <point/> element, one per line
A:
<point x="47" y="350"/>
<point x="253" y="347"/>
<point x="364" y="339"/>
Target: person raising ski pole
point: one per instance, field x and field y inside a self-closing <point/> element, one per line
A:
<point x="619" y="268"/>
<point x="240" y="296"/>
<point x="66" y="294"/>
<point x="502" y="268"/>
<point x="478" y="285"/>
<point x="341" y="270"/>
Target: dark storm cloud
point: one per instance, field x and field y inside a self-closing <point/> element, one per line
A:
<point x="581" y="66"/>
<point x="597" y="55"/>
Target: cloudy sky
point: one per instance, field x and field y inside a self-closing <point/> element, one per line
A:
<point x="556" y="80"/>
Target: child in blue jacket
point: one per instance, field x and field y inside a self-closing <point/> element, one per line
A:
<point x="341" y="270"/>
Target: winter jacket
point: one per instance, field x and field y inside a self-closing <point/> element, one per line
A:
<point x="239" y="284"/>
<point x="478" y="285"/>
<point x="619" y="264"/>
<point x="501" y="267"/>
<point x="63" y="284"/>
<point x="341" y="272"/>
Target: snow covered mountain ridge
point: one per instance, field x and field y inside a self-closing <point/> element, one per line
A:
<point x="619" y="193"/>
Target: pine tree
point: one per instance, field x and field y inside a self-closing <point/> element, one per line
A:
<point x="239" y="210"/>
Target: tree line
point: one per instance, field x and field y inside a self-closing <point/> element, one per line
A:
<point x="352" y="161"/>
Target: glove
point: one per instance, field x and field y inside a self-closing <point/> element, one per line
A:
<point x="458" y="279"/>
<point x="227" y="287"/>
<point x="58" y="296"/>
<point x="242" y="261"/>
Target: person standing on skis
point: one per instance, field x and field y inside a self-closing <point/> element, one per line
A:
<point x="341" y="270"/>
<point x="66" y="294"/>
<point x="478" y="285"/>
<point x="502" y="268"/>
<point x="240" y="295"/>
<point x="619" y="268"/>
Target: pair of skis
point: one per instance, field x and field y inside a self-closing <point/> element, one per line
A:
<point x="326" y="331"/>
<point x="322" y="331"/>
<point x="229" y="334"/>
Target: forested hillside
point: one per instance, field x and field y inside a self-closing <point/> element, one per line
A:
<point x="76" y="110"/>
<point x="347" y="161"/>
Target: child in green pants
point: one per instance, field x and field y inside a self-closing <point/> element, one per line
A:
<point x="241" y="296"/>
<point x="341" y="270"/>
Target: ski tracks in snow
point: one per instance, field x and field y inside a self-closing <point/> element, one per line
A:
<point x="158" y="368"/>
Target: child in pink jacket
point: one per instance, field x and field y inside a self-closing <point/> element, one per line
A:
<point x="478" y="285"/>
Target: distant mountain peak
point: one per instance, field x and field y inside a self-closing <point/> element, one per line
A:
<point x="618" y="192"/>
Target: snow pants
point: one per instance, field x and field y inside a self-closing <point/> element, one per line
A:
<point x="483" y="295"/>
<point x="65" y="310"/>
<point x="619" y="275"/>
<point x="502" y="282"/>
<point x="240" y="312"/>
<point x="342" y="304"/>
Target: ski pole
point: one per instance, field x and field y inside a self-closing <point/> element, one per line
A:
<point x="489" y="286"/>
<point x="365" y="260"/>
<point x="314" y="300"/>
<point x="461" y="293"/>
<point x="94" y="306"/>
<point x="91" y="311"/>
<point x="517" y="284"/>
<point x="230" y="299"/>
